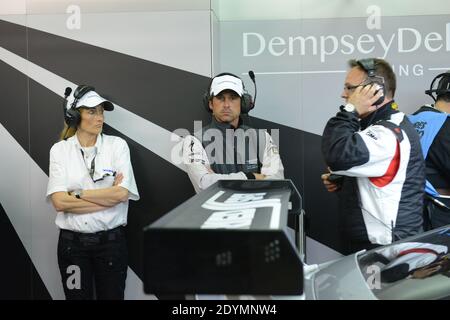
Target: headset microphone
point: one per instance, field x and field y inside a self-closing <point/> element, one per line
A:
<point x="67" y="93"/>
<point x="251" y="74"/>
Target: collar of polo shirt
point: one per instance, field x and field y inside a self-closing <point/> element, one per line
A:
<point x="98" y="143"/>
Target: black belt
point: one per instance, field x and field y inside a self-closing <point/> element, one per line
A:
<point x="93" y="238"/>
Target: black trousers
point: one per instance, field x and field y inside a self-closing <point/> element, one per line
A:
<point x="88" y="260"/>
<point x="436" y="216"/>
<point x="354" y="246"/>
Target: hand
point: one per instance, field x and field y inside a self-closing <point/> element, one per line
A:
<point x="425" y="272"/>
<point x="118" y="179"/>
<point x="364" y="97"/>
<point x="259" y="176"/>
<point x="331" y="187"/>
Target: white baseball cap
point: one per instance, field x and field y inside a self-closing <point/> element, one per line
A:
<point x="92" y="99"/>
<point x="226" y="82"/>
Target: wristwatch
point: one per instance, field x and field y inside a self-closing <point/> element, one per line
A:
<point x="78" y="193"/>
<point x="350" y="108"/>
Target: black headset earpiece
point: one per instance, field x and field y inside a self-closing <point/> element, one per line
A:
<point x="205" y="100"/>
<point x="246" y="100"/>
<point x="72" y="116"/>
<point x="369" y="66"/>
<point x="443" y="86"/>
<point x="246" y="103"/>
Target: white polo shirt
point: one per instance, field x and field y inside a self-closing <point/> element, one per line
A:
<point x="70" y="171"/>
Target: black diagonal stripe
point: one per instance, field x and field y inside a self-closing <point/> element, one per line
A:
<point x="14" y="109"/>
<point x="18" y="275"/>
<point x="167" y="96"/>
<point x="13" y="37"/>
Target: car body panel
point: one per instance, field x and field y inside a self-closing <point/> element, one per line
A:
<point x="364" y="275"/>
<point x="340" y="280"/>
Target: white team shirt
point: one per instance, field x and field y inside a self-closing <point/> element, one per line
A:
<point x="199" y="170"/>
<point x="69" y="170"/>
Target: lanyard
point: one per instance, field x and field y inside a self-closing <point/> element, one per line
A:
<point x="92" y="169"/>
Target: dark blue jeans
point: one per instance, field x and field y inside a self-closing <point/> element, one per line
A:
<point x="91" y="260"/>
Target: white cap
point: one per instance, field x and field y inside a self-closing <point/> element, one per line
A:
<point x="226" y="82"/>
<point x="92" y="99"/>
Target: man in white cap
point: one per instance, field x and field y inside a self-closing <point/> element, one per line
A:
<point x="90" y="183"/>
<point x="227" y="148"/>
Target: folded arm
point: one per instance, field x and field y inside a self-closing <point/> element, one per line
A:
<point x="63" y="202"/>
<point x="198" y="167"/>
<point x="107" y="197"/>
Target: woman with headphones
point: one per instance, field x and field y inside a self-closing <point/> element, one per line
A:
<point x="90" y="182"/>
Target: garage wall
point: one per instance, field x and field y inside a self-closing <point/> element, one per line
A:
<point x="154" y="59"/>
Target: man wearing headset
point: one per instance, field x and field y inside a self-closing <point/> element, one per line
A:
<point x="227" y="148"/>
<point x="432" y="122"/>
<point x="90" y="182"/>
<point x="376" y="164"/>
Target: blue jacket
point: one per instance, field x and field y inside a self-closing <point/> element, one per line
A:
<point x="428" y="122"/>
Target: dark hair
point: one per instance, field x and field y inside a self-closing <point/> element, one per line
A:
<point x="443" y="97"/>
<point x="382" y="69"/>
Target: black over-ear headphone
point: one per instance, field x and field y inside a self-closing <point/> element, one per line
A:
<point x="72" y="116"/>
<point x="369" y="66"/>
<point x="443" y="86"/>
<point x="246" y="100"/>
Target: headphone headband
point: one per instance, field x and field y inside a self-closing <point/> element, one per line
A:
<point x="439" y="90"/>
<point x="80" y="91"/>
<point x="369" y="66"/>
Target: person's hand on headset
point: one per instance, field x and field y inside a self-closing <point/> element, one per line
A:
<point x="364" y="97"/>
